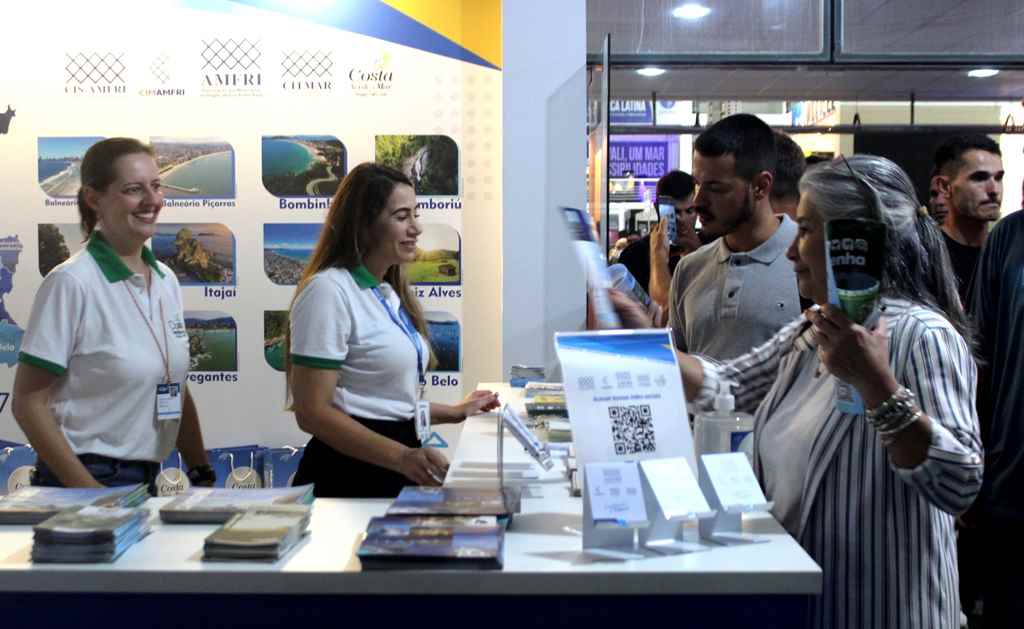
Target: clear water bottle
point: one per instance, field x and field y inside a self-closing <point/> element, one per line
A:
<point x="623" y="280"/>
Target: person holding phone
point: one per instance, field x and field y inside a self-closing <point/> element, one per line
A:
<point x="674" y="190"/>
<point x="357" y="348"/>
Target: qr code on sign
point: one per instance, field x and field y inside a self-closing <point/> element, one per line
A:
<point x="632" y="428"/>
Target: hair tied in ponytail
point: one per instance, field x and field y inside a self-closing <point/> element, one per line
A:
<point x="922" y="211"/>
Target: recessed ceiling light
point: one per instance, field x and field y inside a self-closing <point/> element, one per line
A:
<point x="650" y="71"/>
<point x="982" y="73"/>
<point x="691" y="11"/>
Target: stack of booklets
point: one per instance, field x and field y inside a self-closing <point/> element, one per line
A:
<point x="500" y="503"/>
<point x="264" y="533"/>
<point x="88" y="534"/>
<point x="520" y="375"/>
<point x="545" y="400"/>
<point x="432" y="542"/>
<point x="32" y="505"/>
<point x="202" y="505"/>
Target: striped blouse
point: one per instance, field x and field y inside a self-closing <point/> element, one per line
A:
<point x="883" y="536"/>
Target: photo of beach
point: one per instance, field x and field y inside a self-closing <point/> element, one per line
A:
<point x="212" y="341"/>
<point x="275" y="322"/>
<point x="430" y="161"/>
<point x="201" y="254"/>
<point x="286" y="250"/>
<point x="196" y="168"/>
<point x="445" y="336"/>
<point x="303" y="165"/>
<point x="57" y="243"/>
<point x="60" y="159"/>
<point x="438" y="256"/>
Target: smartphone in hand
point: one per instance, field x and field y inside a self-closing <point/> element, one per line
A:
<point x="667" y="209"/>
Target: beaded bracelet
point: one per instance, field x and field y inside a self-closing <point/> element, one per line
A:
<point x="900" y="404"/>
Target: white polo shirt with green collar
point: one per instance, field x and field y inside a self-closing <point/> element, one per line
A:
<point x="85" y="328"/>
<point x="337" y="322"/>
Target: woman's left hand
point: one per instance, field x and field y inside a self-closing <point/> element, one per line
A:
<point x="851" y="352"/>
<point x="479" y="401"/>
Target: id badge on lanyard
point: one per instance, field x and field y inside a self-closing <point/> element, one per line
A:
<point x="168" y="394"/>
<point x="401" y="319"/>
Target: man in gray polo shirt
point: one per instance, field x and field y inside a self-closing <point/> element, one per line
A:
<point x="737" y="291"/>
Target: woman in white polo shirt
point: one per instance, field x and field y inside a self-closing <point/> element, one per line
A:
<point x="357" y="347"/>
<point x="100" y="389"/>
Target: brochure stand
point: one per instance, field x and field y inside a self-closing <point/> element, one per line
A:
<point x="728" y="482"/>
<point x="613" y="516"/>
<point x="673" y="497"/>
<point x="513" y="495"/>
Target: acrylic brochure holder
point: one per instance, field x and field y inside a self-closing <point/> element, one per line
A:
<point x="612" y="530"/>
<point x="731" y="488"/>
<point x="673" y="497"/>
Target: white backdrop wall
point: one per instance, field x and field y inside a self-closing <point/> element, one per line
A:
<point x="106" y="69"/>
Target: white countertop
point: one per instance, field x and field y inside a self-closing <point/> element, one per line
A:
<point x="543" y="552"/>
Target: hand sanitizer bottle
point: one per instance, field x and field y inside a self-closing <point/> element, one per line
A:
<point x="724" y="430"/>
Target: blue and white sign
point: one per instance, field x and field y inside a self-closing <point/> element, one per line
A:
<point x="647" y="159"/>
<point x="630" y="111"/>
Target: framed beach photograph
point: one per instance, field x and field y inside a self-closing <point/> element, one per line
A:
<point x="275" y="324"/>
<point x="59" y="164"/>
<point x="438" y="256"/>
<point x="286" y="250"/>
<point x="212" y="340"/>
<point x="195" y="168"/>
<point x="200" y="254"/>
<point x="57" y="243"/>
<point x="445" y="339"/>
<point x="430" y="161"/>
<point x="303" y="165"/>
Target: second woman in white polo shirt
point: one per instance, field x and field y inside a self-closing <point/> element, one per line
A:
<point x="358" y="349"/>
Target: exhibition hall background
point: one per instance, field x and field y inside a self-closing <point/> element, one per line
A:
<point x="257" y="108"/>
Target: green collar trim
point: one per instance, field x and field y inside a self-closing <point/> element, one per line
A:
<point x="363" y="277"/>
<point x="113" y="267"/>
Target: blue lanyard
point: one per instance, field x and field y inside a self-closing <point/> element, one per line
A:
<point x="404" y="323"/>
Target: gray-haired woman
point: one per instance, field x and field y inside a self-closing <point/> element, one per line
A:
<point x="872" y="502"/>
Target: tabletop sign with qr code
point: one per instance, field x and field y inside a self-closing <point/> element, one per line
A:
<point x="625" y="396"/>
<point x="616" y="494"/>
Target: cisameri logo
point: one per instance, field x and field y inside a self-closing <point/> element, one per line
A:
<point x="231" y="67"/>
<point x="161" y="79"/>
<point x="94" y="73"/>
<point x="307" y="70"/>
<point x="160" y="68"/>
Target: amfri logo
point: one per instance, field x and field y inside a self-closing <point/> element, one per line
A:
<point x="231" y="67"/>
<point x="374" y="79"/>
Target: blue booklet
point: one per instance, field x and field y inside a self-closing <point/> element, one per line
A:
<point x="32" y="505"/>
<point x="426" y="542"/>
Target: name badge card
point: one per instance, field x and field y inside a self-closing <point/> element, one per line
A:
<point x="168" y="401"/>
<point x="616" y="494"/>
<point x="675" y="487"/>
<point x="625" y="396"/>
<point x="732" y="480"/>
<point x="423" y="420"/>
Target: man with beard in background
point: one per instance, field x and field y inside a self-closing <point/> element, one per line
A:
<point x="736" y="292"/>
<point x="970" y="180"/>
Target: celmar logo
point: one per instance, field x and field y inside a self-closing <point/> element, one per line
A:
<point x="373" y="79"/>
<point x="307" y="70"/>
<point x="94" y="73"/>
<point x="231" y="67"/>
